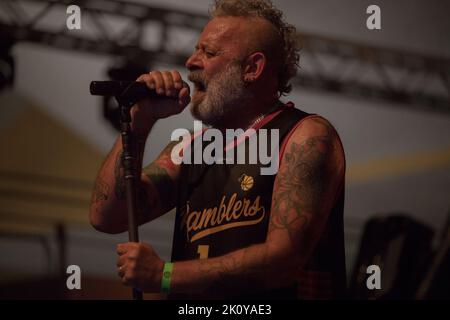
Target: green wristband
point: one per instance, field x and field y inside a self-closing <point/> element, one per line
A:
<point x="166" y="277"/>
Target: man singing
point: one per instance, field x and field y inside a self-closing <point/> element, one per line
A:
<point x="238" y="233"/>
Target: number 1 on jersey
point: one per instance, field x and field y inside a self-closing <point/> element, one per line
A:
<point x="203" y="251"/>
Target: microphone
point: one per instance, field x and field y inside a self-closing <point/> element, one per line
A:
<point x="127" y="90"/>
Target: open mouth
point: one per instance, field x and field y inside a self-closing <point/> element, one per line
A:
<point x="199" y="86"/>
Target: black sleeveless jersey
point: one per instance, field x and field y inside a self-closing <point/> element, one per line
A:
<point x="225" y="207"/>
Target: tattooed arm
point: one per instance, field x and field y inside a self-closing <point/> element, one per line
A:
<point x="156" y="186"/>
<point x="305" y="188"/>
<point x="156" y="190"/>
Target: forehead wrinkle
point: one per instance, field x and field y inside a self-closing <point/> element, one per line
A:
<point x="222" y="32"/>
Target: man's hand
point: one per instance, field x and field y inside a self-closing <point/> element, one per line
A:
<point x="139" y="266"/>
<point x="166" y="84"/>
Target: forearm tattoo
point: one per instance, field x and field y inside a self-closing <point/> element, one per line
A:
<point x="101" y="191"/>
<point x="164" y="185"/>
<point x="119" y="188"/>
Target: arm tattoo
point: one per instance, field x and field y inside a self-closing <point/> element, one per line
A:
<point x="246" y="273"/>
<point x="101" y="191"/>
<point x="158" y="174"/>
<point x="301" y="183"/>
<point x="164" y="184"/>
<point x="119" y="189"/>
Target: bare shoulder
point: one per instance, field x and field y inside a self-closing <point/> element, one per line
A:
<point x="316" y="139"/>
<point x="315" y="125"/>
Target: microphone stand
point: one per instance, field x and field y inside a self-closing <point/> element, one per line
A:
<point x="129" y="157"/>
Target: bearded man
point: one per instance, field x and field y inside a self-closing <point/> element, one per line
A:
<point x="238" y="234"/>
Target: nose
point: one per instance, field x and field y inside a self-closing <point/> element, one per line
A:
<point x="194" y="62"/>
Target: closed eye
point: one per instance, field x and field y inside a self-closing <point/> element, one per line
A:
<point x="207" y="51"/>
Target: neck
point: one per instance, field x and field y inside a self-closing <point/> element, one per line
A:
<point x="251" y="115"/>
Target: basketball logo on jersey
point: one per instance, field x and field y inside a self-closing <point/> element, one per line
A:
<point x="246" y="182"/>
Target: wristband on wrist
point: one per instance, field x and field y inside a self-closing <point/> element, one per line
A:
<point x="166" y="277"/>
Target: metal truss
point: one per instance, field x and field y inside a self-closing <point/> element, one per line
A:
<point x="374" y="73"/>
<point x="144" y="33"/>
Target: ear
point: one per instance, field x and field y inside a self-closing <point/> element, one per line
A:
<point x="254" y="66"/>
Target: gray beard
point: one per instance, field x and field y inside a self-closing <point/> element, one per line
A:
<point x="226" y="95"/>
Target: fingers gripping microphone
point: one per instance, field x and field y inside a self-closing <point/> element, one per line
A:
<point x="132" y="91"/>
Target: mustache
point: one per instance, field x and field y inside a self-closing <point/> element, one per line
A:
<point x="197" y="76"/>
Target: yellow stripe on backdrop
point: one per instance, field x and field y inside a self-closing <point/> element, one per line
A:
<point x="398" y="165"/>
<point x="46" y="172"/>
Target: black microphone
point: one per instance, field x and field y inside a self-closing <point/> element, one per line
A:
<point x="127" y="90"/>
